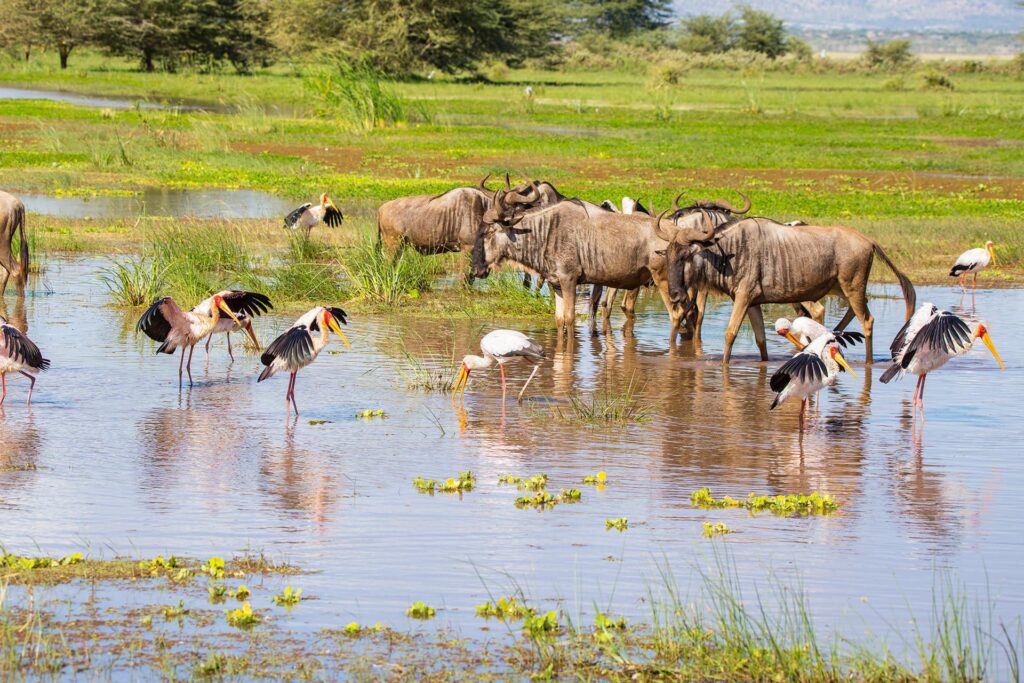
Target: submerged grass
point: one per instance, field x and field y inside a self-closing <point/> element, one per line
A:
<point x="609" y="407"/>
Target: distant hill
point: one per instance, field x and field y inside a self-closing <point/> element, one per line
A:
<point x="893" y="15"/>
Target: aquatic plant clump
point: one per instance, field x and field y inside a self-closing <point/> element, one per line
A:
<point x="619" y="524"/>
<point x="717" y="529"/>
<point x="463" y="483"/>
<point x="784" y="505"/>
<point x="505" y="608"/>
<point x="420" y="610"/>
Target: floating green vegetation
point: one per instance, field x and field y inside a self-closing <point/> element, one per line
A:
<point x="508" y="479"/>
<point x="600" y="479"/>
<point x="243" y="617"/>
<point x="717" y="529"/>
<point x="320" y="422"/>
<point x="620" y="524"/>
<point x="420" y="610"/>
<point x="354" y="628"/>
<point x="606" y="626"/>
<point x="424" y="485"/>
<point x="535" y="483"/>
<point x="217" y="592"/>
<point x="541" y="500"/>
<point x="461" y="484"/>
<point x="371" y="412"/>
<point x="570" y="496"/>
<point x="241" y="593"/>
<point x="214" y="567"/>
<point x="783" y="505"/>
<point x="22" y="563"/>
<point x="541" y="626"/>
<point x="174" y="612"/>
<point x="288" y="597"/>
<point x="508" y="608"/>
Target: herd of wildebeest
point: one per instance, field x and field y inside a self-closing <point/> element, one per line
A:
<point x="686" y="252"/>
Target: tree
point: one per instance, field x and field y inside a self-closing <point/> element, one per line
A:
<point x="19" y="31"/>
<point x="708" y="34"/>
<point x="621" y="17"/>
<point x="65" y="24"/>
<point x="761" y="32"/>
<point x="892" y="55"/>
<point x="148" y="29"/>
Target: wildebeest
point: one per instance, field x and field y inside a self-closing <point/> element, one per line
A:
<point x="12" y="218"/>
<point x="758" y="261"/>
<point x="435" y="224"/>
<point x="567" y="245"/>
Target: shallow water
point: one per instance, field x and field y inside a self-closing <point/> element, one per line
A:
<point x="162" y="202"/>
<point x="13" y="93"/>
<point x="126" y="463"/>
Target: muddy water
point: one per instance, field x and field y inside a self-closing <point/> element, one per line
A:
<point x="162" y="202"/>
<point x="126" y="463"/>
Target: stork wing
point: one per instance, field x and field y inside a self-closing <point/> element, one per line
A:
<point x="160" y="318"/>
<point x="803" y="367"/>
<point x="295" y="347"/>
<point x="21" y="348"/>
<point x="291" y="219"/>
<point x="847" y="338"/>
<point x="904" y="336"/>
<point x="333" y="216"/>
<point x="945" y="332"/>
<point x="338" y="313"/>
<point x="250" y="303"/>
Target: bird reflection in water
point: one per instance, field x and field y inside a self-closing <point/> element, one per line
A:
<point x="299" y="481"/>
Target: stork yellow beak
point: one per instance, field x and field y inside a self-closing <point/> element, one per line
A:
<point x="337" y="331"/>
<point x="460" y="383"/>
<point x="248" y="328"/>
<point x="796" y="342"/>
<point x="992" y="253"/>
<point x="992" y="347"/>
<point x="842" y="361"/>
<point x="224" y="307"/>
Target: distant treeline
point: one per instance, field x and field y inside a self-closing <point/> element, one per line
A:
<point x="404" y="37"/>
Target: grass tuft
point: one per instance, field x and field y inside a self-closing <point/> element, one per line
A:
<point x="132" y="282"/>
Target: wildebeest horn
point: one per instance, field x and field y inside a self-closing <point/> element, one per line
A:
<point x="483" y="183"/>
<point x="657" y="225"/>
<point x="675" y="202"/>
<point x="508" y="183"/>
<point x="730" y="208"/>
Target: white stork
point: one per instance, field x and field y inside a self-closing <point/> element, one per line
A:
<point x="973" y="261"/>
<point x="815" y="367"/>
<point x="254" y="304"/>
<point x="18" y="353"/>
<point x="803" y="330"/>
<point x="301" y="344"/>
<point x="307" y="215"/>
<point x="499" y="346"/>
<point x="927" y="342"/>
<point x="166" y="323"/>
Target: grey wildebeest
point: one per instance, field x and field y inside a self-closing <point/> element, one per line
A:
<point x="12" y="218"/>
<point x="568" y="244"/>
<point x="439" y="224"/>
<point x="759" y="261"/>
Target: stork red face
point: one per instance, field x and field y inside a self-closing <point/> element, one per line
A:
<point x="990" y="247"/>
<point x="982" y="332"/>
<point x="783" y="329"/>
<point x="331" y="323"/>
<point x="218" y="303"/>
<point x="838" y="357"/>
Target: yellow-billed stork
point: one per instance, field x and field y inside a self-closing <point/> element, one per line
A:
<point x="300" y="344"/>
<point x="499" y="346"/>
<point x="174" y="328"/>
<point x="250" y="305"/>
<point x="973" y="261"/>
<point x="812" y="369"/>
<point x="308" y="215"/>
<point x="927" y="342"/>
<point x="803" y="330"/>
<point x="18" y="353"/>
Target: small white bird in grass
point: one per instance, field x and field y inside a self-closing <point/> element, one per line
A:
<point x="18" y="353"/>
<point x="250" y="304"/>
<point x="307" y="215"/>
<point x="928" y="341"/>
<point x="803" y="330"/>
<point x="301" y="344"/>
<point x="499" y="346"/>
<point x="815" y="367"/>
<point x="166" y="323"/>
<point x="973" y="261"/>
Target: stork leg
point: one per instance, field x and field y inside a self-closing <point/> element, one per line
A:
<point x="31" y="386"/>
<point x="920" y="400"/>
<point x="188" y="365"/>
<point x="502" y="368"/>
<point x="963" y="279"/>
<point x="181" y="366"/>
<point x="917" y="392"/>
<point x="803" y="407"/>
<point x="3" y="380"/>
<point x="528" y="380"/>
<point x="229" y="348"/>
<point x="295" y="405"/>
<point x="208" y="340"/>
<point x="974" y="282"/>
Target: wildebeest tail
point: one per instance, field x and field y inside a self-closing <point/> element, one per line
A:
<point x="889" y="374"/>
<point x="19" y="218"/>
<point x="909" y="294"/>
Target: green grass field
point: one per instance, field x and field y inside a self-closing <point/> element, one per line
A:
<point x="928" y="173"/>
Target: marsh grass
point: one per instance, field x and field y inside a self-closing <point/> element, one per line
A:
<point x="134" y="281"/>
<point x="513" y="297"/>
<point x="608" y="407"/>
<point x="378" y="278"/>
<point x="434" y="374"/>
<point x="354" y="92"/>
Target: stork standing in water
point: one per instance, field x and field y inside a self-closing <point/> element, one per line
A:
<point x="301" y="344"/>
<point x="815" y="367"/>
<point x="927" y="342"/>
<point x="973" y="261"/>
<point x="250" y="305"/>
<point x="499" y="346"/>
<point x="307" y="216"/>
<point x="803" y="330"/>
<point x="18" y="353"/>
<point x="174" y="328"/>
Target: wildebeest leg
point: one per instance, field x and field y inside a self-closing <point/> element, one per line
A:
<point x="702" y="303"/>
<point x="757" y="322"/>
<point x="739" y="310"/>
<point x="559" y="308"/>
<point x="595" y="303"/>
<point x="859" y="306"/>
<point x="675" y="313"/>
<point x="569" y="306"/>
<point x="606" y="309"/>
<point x="629" y="302"/>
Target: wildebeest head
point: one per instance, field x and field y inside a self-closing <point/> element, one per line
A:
<point x="498" y="227"/>
<point x="718" y="205"/>
<point x="685" y="239"/>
